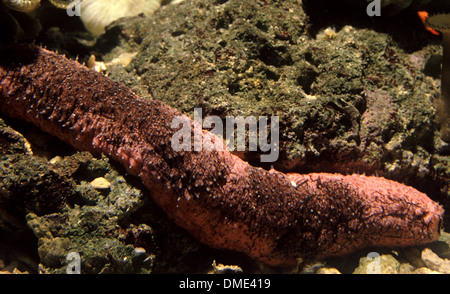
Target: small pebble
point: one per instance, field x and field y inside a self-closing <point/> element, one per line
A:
<point x="139" y="250"/>
<point x="98" y="66"/>
<point x="434" y="262"/>
<point x="56" y="159"/>
<point x="100" y="183"/>
<point x="328" y="271"/>
<point x="224" y="269"/>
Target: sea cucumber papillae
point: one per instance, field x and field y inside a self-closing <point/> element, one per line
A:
<point x="221" y="200"/>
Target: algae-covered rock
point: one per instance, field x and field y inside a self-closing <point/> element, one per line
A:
<point x="52" y="200"/>
<point x="350" y="99"/>
<point x="94" y="231"/>
<point x="30" y="184"/>
<point x="57" y="201"/>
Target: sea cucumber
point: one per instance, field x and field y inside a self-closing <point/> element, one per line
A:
<point x="221" y="200"/>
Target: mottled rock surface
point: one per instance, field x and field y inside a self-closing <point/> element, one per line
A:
<point x="349" y="99"/>
<point x="353" y="94"/>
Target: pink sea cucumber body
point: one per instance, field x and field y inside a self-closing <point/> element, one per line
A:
<point x="221" y="200"/>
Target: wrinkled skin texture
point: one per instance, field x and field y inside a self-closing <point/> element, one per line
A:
<point x="220" y="199"/>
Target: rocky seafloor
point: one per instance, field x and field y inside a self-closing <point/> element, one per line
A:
<point x="355" y="94"/>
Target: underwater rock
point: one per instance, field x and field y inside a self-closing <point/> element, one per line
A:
<point x="434" y="262"/>
<point x="12" y="142"/>
<point x="93" y="231"/>
<point x="30" y="184"/>
<point x="323" y="89"/>
<point x="47" y="199"/>
<point x="241" y="60"/>
<point x="224" y="269"/>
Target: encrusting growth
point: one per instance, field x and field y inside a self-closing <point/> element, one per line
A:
<point x="221" y="200"/>
<point x="441" y="22"/>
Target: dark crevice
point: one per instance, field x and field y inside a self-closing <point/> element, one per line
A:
<point x="404" y="26"/>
